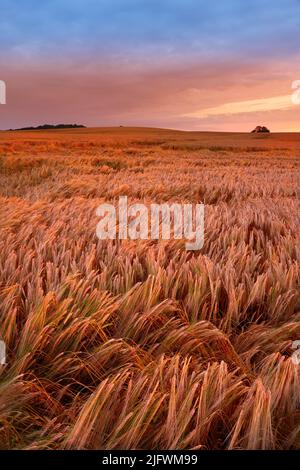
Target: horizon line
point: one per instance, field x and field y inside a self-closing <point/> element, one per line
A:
<point x="82" y="129"/>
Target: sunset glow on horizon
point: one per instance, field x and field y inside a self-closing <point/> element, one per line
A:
<point x="224" y="66"/>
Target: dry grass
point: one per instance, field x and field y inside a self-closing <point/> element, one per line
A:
<point x="143" y="345"/>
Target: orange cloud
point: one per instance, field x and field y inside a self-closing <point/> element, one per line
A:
<point x="184" y="96"/>
<point x="275" y="103"/>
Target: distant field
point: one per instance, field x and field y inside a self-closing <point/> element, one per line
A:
<point x="142" y="344"/>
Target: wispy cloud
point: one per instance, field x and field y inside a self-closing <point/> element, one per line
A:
<point x="148" y="62"/>
<point x="275" y="103"/>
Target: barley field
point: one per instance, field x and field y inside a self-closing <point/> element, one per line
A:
<point x="141" y="344"/>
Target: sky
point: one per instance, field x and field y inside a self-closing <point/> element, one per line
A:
<point x="184" y="64"/>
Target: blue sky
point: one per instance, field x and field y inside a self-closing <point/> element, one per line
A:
<point x="145" y="39"/>
<point x="167" y="26"/>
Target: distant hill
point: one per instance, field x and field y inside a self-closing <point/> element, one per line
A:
<point x="50" y="126"/>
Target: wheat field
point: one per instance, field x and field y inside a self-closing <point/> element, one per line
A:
<point x="142" y="344"/>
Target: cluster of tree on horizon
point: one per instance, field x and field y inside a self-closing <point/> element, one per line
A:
<point x="50" y="126"/>
<point x="260" y="129"/>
